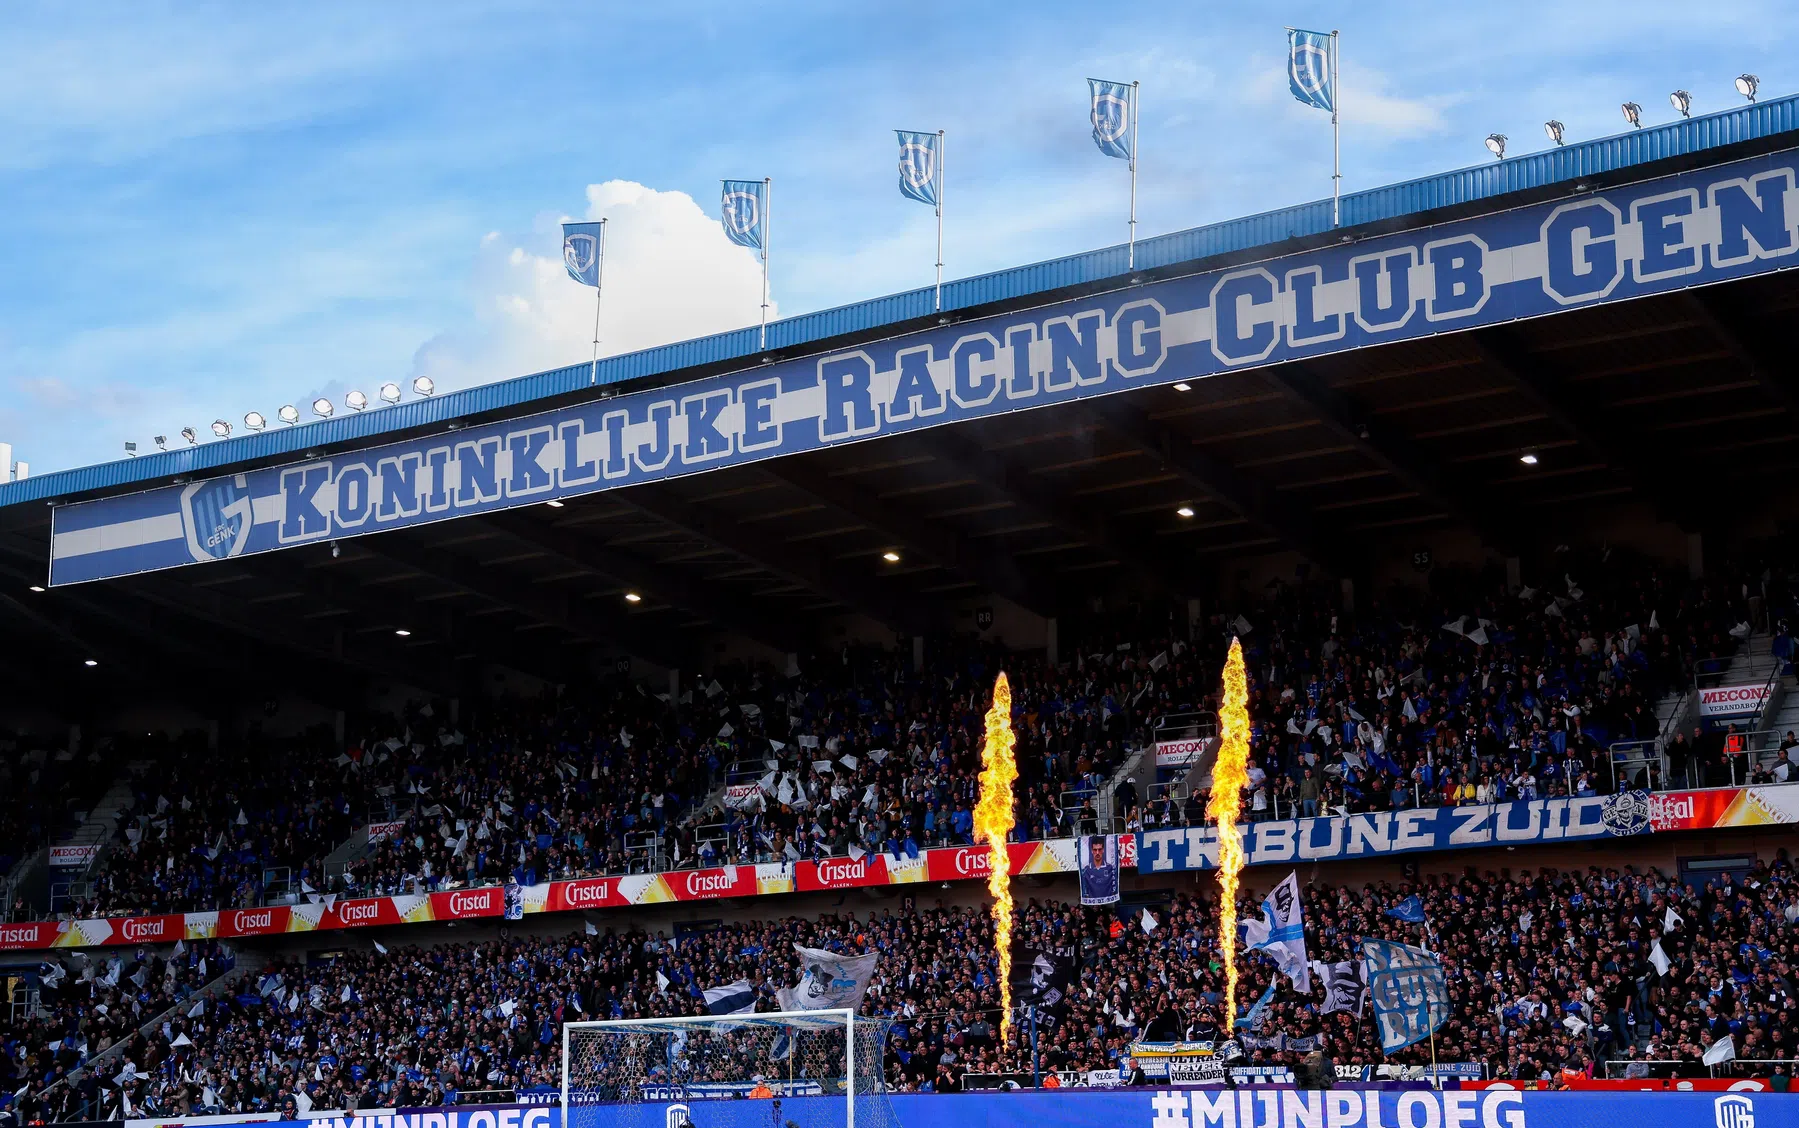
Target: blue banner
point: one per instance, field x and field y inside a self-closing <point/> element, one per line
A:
<point x="1312" y="68"/>
<point x="743" y="209"/>
<point x="1400" y="832"/>
<point x="1407" y="988"/>
<point x="1694" y="229"/>
<point x="1111" y="109"/>
<point x="1151" y="1108"/>
<point x="921" y="166"/>
<point x="581" y="251"/>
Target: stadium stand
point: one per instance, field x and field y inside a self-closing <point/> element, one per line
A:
<point x="1550" y="971"/>
<point x="1383" y="710"/>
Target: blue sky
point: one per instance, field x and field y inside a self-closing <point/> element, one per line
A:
<point x="209" y="209"/>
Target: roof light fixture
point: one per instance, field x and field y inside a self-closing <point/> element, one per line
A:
<point x="1555" y="129"/>
<point x="1682" y="102"/>
<point x="1496" y="145"/>
<point x="422" y="385"/>
<point x="322" y="408"/>
<point x="221" y="428"/>
<point x="1747" y="85"/>
<point x="390" y="393"/>
<point x="288" y="414"/>
<point x="256" y="420"/>
<point x="192" y="436"/>
<point x="356" y="401"/>
<point x="1633" y="114"/>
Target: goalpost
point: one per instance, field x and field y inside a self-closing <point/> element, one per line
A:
<point x="791" y="1069"/>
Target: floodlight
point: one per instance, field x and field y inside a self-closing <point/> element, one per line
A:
<point x="1554" y="128"/>
<point x="131" y="449"/>
<point x="1682" y="102"/>
<point x="192" y="437"/>
<point x="390" y="393"/>
<point x="1183" y="386"/>
<point x="1529" y="458"/>
<point x="891" y="556"/>
<point x="423" y="386"/>
<point x="221" y="428"/>
<point x="356" y="401"/>
<point x="1747" y="85"/>
<point x="90" y="663"/>
<point x="322" y="408"/>
<point x="1633" y="114"/>
<point x="1184" y="511"/>
<point x="633" y="597"/>
<point x="1496" y="145"/>
<point x="289" y="414"/>
<point x="255" y="420"/>
<point x="162" y="442"/>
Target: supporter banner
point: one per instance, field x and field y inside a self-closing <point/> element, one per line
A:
<point x="1671" y="233"/>
<point x="380" y="830"/>
<point x="1448" y="828"/>
<point x="62" y="856"/>
<point x="1342" y="1107"/>
<point x="1178" y="753"/>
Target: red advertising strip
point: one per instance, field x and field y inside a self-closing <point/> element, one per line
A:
<point x="466" y="904"/>
<point x="252" y="922"/>
<point x="150" y="930"/>
<point x="29" y="935"/>
<point x="584" y="893"/>
<point x="700" y="885"/>
<point x="840" y="873"/>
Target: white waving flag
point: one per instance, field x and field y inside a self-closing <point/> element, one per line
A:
<point x="829" y="981"/>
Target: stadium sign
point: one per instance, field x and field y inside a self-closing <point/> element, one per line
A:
<point x="1523" y="823"/>
<point x="1693" y="229"/>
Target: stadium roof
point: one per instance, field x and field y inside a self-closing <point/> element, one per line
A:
<point x="1646" y="410"/>
<point x="1409" y="203"/>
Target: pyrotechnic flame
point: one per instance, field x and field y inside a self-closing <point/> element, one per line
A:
<point x="993" y="817"/>
<point x="1230" y="775"/>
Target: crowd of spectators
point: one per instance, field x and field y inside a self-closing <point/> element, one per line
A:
<point x="1469" y="693"/>
<point x="1549" y="972"/>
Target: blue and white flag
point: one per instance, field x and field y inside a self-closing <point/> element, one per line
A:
<point x="1410" y="910"/>
<point x="1112" y="108"/>
<point x="1407" y="988"/>
<point x="1252" y="1019"/>
<point x="743" y="210"/>
<point x="1282" y="933"/>
<point x="732" y="998"/>
<point x="920" y="166"/>
<point x="1312" y="68"/>
<point x="828" y="981"/>
<point x="581" y="252"/>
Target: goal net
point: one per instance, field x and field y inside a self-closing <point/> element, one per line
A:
<point x="806" y="1069"/>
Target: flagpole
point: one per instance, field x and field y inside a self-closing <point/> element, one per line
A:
<point x="940" y="148"/>
<point x="1130" y="260"/>
<point x="768" y="196"/>
<point x="599" y="276"/>
<point x="1336" y="138"/>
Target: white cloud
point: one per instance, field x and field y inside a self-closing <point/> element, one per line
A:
<point x="670" y="275"/>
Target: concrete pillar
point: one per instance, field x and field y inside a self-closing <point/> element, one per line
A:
<point x="1195" y="620"/>
<point x="337" y="726"/>
<point x="1696" y="555"/>
<point x="1050" y="642"/>
<point x="917" y="652"/>
<point x="674" y="688"/>
<point x="455" y="710"/>
<point x="1348" y="594"/>
<point x="74" y="740"/>
<point x="1514" y="573"/>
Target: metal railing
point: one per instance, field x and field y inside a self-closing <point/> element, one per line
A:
<point x="1619" y="1068"/>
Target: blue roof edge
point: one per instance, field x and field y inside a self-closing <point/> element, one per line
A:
<point x="1394" y="201"/>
